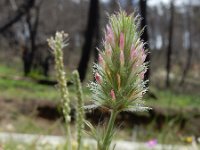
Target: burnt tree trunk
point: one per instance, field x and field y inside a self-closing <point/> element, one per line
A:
<point x="97" y="36"/>
<point x="190" y="49"/>
<point x="29" y="51"/>
<point x="22" y="10"/>
<point x="169" y="50"/>
<point x="89" y="34"/>
<point x="144" y="36"/>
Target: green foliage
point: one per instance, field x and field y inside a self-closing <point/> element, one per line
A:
<point x="172" y="99"/>
<point x="8" y="71"/>
<point x="26" y="90"/>
<point x="36" y="74"/>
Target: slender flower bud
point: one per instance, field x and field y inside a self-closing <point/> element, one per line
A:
<point x="121" y="42"/>
<point x="122" y="58"/>
<point x="100" y="60"/>
<point x="109" y="30"/>
<point x="108" y="51"/>
<point x="109" y="35"/>
<point x="112" y="94"/>
<point x="142" y="74"/>
<point x="144" y="57"/>
<point x="118" y="81"/>
<point x="133" y="52"/>
<point x="107" y="71"/>
<point x="98" y="78"/>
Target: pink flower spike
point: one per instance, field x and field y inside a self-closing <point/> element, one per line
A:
<point x="109" y="37"/>
<point x="121" y="42"/>
<point x="108" y="51"/>
<point x="112" y="94"/>
<point x="143" y="57"/>
<point x="142" y="75"/>
<point x="143" y="50"/>
<point x="122" y="57"/>
<point x="100" y="60"/>
<point x="133" y="52"/>
<point x="109" y="30"/>
<point x="98" y="78"/>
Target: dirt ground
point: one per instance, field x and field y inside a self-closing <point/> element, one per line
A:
<point x="34" y="115"/>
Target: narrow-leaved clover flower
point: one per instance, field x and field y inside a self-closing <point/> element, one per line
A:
<point x="119" y="74"/>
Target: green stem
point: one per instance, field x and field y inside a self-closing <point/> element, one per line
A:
<point x="79" y="109"/>
<point x="107" y="139"/>
<point x="68" y="145"/>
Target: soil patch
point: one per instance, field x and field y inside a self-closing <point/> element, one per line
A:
<point x="48" y="110"/>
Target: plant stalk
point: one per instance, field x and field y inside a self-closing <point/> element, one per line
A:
<point x="68" y="145"/>
<point x="108" y="137"/>
<point x="79" y="110"/>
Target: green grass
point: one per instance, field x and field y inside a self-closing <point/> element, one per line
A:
<point x="27" y="89"/>
<point x="24" y="90"/>
<point x="9" y="71"/>
<point x="169" y="98"/>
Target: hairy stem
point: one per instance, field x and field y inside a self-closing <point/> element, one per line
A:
<point x="109" y="132"/>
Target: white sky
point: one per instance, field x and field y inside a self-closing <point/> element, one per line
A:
<point x="177" y="2"/>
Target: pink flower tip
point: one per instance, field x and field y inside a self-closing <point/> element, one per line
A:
<point x="133" y="52"/>
<point x="108" y="50"/>
<point x="112" y="94"/>
<point x="152" y="143"/>
<point x="143" y="55"/>
<point x="109" y="37"/>
<point x="100" y="59"/>
<point x="121" y="42"/>
<point x="109" y="30"/>
<point x="142" y="74"/>
<point x="98" y="78"/>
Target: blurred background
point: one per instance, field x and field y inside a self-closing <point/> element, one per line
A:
<point x="28" y="97"/>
